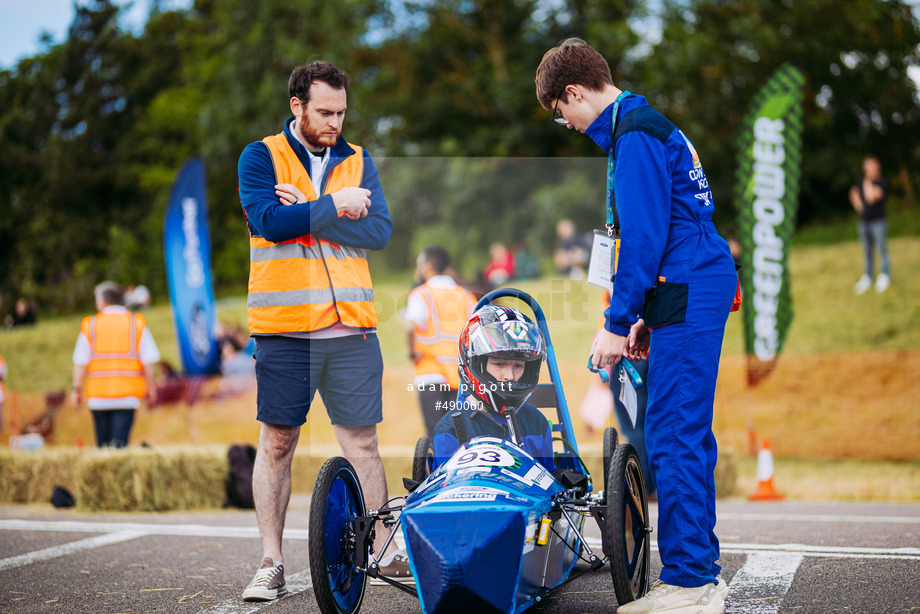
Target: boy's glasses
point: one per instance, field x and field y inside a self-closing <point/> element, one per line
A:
<point x="557" y="115"/>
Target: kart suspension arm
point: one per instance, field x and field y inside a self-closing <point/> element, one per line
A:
<point x="596" y="563"/>
<point x="364" y="534"/>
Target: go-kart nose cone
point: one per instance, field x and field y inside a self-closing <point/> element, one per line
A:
<point x="466" y="562"/>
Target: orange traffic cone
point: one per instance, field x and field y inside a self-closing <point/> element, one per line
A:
<point x="765" y="490"/>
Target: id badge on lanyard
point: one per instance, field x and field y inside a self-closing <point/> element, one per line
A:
<point x="605" y="251"/>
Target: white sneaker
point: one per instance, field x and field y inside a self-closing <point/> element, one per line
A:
<point x="863" y="284"/>
<point x="268" y="583"/>
<point x="722" y="587"/>
<point x="667" y="599"/>
<point x="882" y="282"/>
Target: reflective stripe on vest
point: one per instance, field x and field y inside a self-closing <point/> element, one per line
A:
<point x="308" y="284"/>
<point x="114" y="370"/>
<point x="438" y="345"/>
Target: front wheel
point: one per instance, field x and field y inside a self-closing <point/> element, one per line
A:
<point x="627" y="525"/>
<point x="423" y="459"/>
<point x="611" y="440"/>
<point x="336" y="503"/>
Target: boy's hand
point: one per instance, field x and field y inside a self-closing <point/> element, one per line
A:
<point x="607" y="348"/>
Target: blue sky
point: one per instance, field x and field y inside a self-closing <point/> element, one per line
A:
<point x="23" y="21"/>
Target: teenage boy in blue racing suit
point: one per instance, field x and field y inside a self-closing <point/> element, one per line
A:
<point x="674" y="288"/>
<point x="501" y="351"/>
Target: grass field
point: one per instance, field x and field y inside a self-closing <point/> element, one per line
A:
<point x="846" y="389"/>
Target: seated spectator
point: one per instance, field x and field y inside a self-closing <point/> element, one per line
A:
<point x="501" y="266"/>
<point x="137" y="297"/>
<point x="570" y="256"/>
<point x="23" y="314"/>
<point x="501" y="352"/>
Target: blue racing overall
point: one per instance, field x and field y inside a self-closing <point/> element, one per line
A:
<point x="676" y="273"/>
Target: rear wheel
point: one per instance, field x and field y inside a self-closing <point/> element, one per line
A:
<point x="337" y="502"/>
<point x="422" y="459"/>
<point x="611" y="439"/>
<point x="627" y="525"/>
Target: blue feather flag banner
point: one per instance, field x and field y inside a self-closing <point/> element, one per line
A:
<point x="187" y="247"/>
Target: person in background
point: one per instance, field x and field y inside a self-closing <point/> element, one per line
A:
<point x="115" y="356"/>
<point x="137" y="297"/>
<point x="23" y="314"/>
<point x="500" y="269"/>
<point x="868" y="197"/>
<point x="236" y="349"/>
<point x="570" y="256"/>
<point x="436" y="312"/>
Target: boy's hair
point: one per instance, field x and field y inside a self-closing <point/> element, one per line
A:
<point x="437" y="257"/>
<point x="304" y="76"/>
<point x="573" y="62"/>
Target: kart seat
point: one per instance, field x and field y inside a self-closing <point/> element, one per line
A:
<point x="544" y="397"/>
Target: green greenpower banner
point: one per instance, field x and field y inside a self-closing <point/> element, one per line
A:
<point x="767" y="192"/>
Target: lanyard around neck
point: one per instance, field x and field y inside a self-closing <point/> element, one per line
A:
<point x="613" y="222"/>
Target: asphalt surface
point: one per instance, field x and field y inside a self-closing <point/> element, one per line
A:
<point x="778" y="557"/>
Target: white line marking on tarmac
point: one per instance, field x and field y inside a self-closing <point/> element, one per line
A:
<point x="252" y="532"/>
<point x="57" y="551"/>
<point x="805" y="550"/>
<point x="152" y="529"/>
<point x="819" y="518"/>
<point x="297" y="583"/>
<point x="761" y="584"/>
<point x="828" y="551"/>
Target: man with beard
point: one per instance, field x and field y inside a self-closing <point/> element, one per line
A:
<point x="313" y="205"/>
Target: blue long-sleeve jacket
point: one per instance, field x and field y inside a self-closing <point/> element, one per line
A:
<point x="662" y="199"/>
<point x="268" y="219"/>
<point x="532" y="426"/>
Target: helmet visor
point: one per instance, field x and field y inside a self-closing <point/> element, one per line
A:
<point x="507" y="337"/>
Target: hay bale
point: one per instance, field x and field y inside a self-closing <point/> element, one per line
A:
<point x="30" y="476"/>
<point x="147" y="480"/>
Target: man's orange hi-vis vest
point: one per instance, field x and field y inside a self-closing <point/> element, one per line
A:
<point x="308" y="284"/>
<point x="438" y="345"/>
<point x="114" y="369"/>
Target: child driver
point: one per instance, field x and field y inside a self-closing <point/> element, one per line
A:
<point x="501" y="352"/>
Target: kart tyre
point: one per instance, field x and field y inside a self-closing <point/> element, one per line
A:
<point x="336" y="502"/>
<point x="627" y="525"/>
<point x="611" y="439"/>
<point x="422" y="459"/>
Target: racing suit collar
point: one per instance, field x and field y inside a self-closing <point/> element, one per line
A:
<point x="599" y="130"/>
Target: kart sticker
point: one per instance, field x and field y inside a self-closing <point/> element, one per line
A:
<point x="483" y="455"/>
<point x="469" y="493"/>
<point x="537" y="475"/>
<point x="469" y="470"/>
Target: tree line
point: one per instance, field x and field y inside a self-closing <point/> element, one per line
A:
<point x="92" y="130"/>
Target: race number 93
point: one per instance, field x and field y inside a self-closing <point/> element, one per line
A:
<point x="482" y="456"/>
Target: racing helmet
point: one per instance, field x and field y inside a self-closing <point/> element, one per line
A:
<point x="500" y="332"/>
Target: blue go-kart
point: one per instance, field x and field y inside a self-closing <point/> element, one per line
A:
<point x="490" y="530"/>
